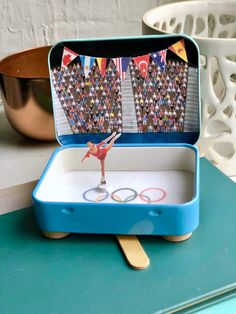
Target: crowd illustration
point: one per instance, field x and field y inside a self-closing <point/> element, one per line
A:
<point x="93" y="104"/>
<point x="160" y="98"/>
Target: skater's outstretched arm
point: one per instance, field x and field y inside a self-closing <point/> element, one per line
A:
<point x="87" y="155"/>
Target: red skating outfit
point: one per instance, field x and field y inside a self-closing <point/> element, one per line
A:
<point x="101" y="151"/>
<point x="101" y="155"/>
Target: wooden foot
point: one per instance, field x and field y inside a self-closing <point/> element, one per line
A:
<point x="133" y="251"/>
<point x="177" y="238"/>
<point x="55" y="235"/>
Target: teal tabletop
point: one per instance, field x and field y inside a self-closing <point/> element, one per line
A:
<point x="88" y="273"/>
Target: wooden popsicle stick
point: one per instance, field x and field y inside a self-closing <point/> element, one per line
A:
<point x="133" y="251"/>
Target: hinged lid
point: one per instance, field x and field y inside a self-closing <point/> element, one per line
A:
<point x="145" y="87"/>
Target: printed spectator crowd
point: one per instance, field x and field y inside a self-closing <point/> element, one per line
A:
<point x="93" y="104"/>
<point x="160" y="98"/>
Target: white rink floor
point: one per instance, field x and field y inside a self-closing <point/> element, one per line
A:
<point x="166" y="187"/>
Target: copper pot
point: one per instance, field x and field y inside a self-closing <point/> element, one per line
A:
<point x="25" y="86"/>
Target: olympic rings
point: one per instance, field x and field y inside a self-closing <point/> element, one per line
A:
<point x="148" y="199"/>
<point x="99" y="198"/>
<point x="127" y="199"/>
<point x="115" y="197"/>
<point x="142" y="196"/>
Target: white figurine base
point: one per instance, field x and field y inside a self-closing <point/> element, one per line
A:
<point x="102" y="186"/>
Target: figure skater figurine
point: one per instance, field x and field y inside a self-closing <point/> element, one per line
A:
<point x="100" y="152"/>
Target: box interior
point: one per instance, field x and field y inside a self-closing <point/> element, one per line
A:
<point x="134" y="175"/>
<point x="145" y="88"/>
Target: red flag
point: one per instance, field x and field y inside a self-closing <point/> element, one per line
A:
<point x="102" y="64"/>
<point x="142" y="63"/>
<point x="67" y="57"/>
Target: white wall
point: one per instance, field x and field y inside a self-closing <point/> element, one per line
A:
<point x="32" y="23"/>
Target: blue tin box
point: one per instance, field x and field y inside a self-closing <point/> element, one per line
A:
<point x="147" y="89"/>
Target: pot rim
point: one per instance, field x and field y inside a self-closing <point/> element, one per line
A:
<point x="13" y="58"/>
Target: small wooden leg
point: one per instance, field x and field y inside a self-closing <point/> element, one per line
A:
<point x="55" y="235"/>
<point x="177" y="238"/>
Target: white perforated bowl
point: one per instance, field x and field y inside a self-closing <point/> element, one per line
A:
<point x="213" y="25"/>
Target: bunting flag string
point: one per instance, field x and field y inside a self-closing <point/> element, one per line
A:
<point x="118" y="64"/>
<point x="102" y="64"/>
<point x="121" y="63"/>
<point x="121" y="66"/>
<point x="125" y="63"/>
<point x="159" y="58"/>
<point x="142" y="64"/>
<point x="179" y="49"/>
<point x="67" y="57"/>
<point x="87" y="63"/>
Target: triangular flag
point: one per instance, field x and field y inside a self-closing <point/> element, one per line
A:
<point x="179" y="49"/>
<point x="118" y="64"/>
<point x="121" y="66"/>
<point x="159" y="58"/>
<point x="87" y="63"/>
<point x="125" y="64"/>
<point x="102" y="64"/>
<point x="67" y="57"/>
<point x="142" y="63"/>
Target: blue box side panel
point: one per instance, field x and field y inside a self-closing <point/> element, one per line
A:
<point x="118" y="219"/>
